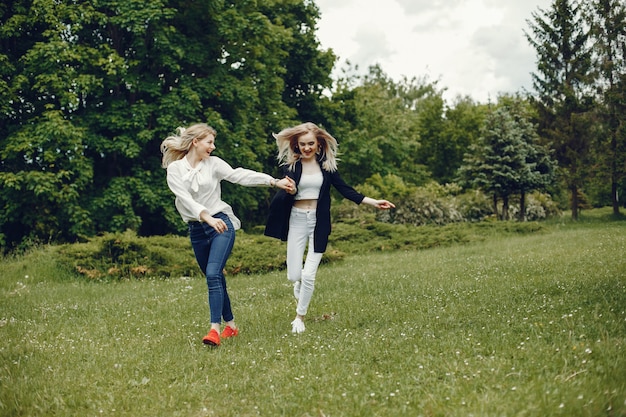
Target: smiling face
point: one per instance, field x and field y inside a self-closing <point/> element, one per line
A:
<point x="307" y="145"/>
<point x="205" y="146"/>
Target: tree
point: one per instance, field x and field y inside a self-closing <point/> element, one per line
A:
<point x="507" y="160"/>
<point x="109" y="80"/>
<point x="607" y="19"/>
<point x="462" y="124"/>
<point x="377" y="124"/>
<point x="561" y="83"/>
<point x="45" y="170"/>
<point x="308" y="69"/>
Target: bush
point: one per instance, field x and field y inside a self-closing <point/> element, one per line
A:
<point x="431" y="204"/>
<point x="125" y="255"/>
<point x="539" y="206"/>
<point x="474" y="206"/>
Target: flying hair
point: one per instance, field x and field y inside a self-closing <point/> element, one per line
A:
<point x="287" y="143"/>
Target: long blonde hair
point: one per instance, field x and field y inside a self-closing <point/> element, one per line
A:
<point x="176" y="146"/>
<point x="287" y="142"/>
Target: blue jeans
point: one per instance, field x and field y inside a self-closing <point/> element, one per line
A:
<point x="212" y="250"/>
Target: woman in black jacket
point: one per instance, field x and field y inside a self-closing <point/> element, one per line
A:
<point x="308" y="156"/>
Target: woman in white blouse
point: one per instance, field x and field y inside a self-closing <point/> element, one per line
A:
<point x="194" y="177"/>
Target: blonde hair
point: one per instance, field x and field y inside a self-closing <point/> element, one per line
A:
<point x="176" y="146"/>
<point x="287" y="142"/>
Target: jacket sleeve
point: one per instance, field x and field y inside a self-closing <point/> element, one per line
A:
<point x="344" y="189"/>
<point x="277" y="224"/>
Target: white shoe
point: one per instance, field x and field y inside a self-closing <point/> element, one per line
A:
<point x="297" y="326"/>
<point x="296" y="290"/>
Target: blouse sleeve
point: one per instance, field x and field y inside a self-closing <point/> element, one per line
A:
<point x="242" y="176"/>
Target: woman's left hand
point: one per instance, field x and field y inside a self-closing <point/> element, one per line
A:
<point x="384" y="204"/>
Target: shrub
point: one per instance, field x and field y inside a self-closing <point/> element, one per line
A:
<point x="432" y="204"/>
<point x="474" y="206"/>
<point x="539" y="206"/>
<point x="125" y="255"/>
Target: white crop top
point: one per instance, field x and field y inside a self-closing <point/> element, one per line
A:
<point x="310" y="186"/>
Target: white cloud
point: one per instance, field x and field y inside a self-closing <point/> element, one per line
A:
<point x="474" y="47"/>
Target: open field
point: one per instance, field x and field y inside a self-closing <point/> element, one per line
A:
<point x="531" y="325"/>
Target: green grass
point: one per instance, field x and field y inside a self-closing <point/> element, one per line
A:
<point x="515" y="325"/>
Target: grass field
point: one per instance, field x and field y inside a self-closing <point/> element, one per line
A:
<point x="530" y="325"/>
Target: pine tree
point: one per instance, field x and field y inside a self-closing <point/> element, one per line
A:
<point x="507" y="159"/>
<point x="562" y="83"/>
<point x="607" y="19"/>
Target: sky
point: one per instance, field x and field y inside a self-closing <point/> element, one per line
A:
<point x="473" y="48"/>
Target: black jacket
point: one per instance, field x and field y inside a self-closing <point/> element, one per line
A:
<point x="280" y="208"/>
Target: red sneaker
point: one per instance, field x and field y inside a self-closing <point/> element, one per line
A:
<point x="229" y="332"/>
<point x="212" y="338"/>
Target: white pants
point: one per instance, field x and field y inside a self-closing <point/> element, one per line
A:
<point x="301" y="227"/>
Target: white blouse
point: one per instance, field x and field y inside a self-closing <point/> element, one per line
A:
<point x="198" y="189"/>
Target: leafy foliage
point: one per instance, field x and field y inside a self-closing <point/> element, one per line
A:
<point x="562" y="82"/>
<point x="607" y="20"/>
<point x="120" y="256"/>
<point x="91" y="89"/>
<point x="507" y="159"/>
<point x="88" y="89"/>
<point x="377" y="125"/>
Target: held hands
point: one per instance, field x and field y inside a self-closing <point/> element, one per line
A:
<point x="287" y="184"/>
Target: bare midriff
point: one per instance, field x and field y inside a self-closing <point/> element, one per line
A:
<point x="306" y="204"/>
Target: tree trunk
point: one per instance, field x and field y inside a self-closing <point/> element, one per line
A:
<point x="522" y="206"/>
<point x="614" y="189"/>
<point x="505" y="208"/>
<point x="574" y="207"/>
<point x="495" y="206"/>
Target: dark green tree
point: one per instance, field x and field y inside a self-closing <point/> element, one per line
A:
<point x="507" y="160"/>
<point x="562" y="85"/>
<point x="90" y="89"/>
<point x="308" y="69"/>
<point x="434" y="145"/>
<point x="607" y="19"/>
<point x="45" y="170"/>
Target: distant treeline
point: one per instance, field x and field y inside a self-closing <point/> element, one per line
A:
<point x="89" y="89"/>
